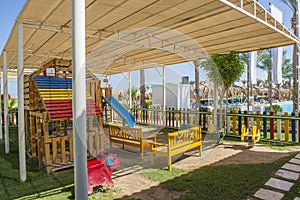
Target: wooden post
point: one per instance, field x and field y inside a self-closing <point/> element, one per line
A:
<point x="299" y="128"/>
<point x="293" y="128"/>
<point x="183" y="118"/>
<point x="234" y="125"/>
<point x="251" y="119"/>
<point x="57" y="123"/>
<point x="286" y="128"/>
<point x="46" y="142"/>
<point x="200" y="116"/>
<point x="265" y="125"/>
<point x="228" y="124"/>
<point x="39" y="139"/>
<point x="180" y="118"/>
<point x="279" y="127"/>
<point x="271" y="126"/>
<point x="173" y="117"/>
<point x="258" y="120"/>
<point x="245" y="119"/>
<point x="240" y="122"/>
<point x="33" y="139"/>
<point x="204" y="121"/>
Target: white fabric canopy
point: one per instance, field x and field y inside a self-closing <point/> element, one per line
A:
<point x="123" y="35"/>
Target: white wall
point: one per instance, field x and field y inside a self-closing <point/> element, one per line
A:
<point x="172" y="95"/>
<point x="184" y="95"/>
<point x="177" y="96"/>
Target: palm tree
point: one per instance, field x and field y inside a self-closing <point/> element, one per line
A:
<point x="259" y="82"/>
<point x="263" y="57"/>
<point x="197" y="83"/>
<point x="292" y="5"/>
<point x="142" y="89"/>
<point x="134" y="92"/>
<point x="287" y="71"/>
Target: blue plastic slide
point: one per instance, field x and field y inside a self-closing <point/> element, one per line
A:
<point x="121" y="110"/>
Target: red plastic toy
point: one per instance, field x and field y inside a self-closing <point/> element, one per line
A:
<point x="100" y="170"/>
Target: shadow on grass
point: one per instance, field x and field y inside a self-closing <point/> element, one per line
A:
<point x="237" y="176"/>
<point x="38" y="182"/>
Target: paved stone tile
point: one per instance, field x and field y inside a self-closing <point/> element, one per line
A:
<point x="287" y="174"/>
<point x="268" y="194"/>
<point x="291" y="167"/>
<point x="295" y="161"/>
<point x="297" y="156"/>
<point x="279" y="184"/>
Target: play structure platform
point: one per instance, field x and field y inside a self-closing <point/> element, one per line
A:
<point x="48" y="115"/>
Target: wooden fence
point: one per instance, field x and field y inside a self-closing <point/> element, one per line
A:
<point x="281" y="127"/>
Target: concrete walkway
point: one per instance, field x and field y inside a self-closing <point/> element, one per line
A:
<point x="282" y="181"/>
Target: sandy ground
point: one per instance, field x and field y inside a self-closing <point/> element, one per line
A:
<point x="132" y="183"/>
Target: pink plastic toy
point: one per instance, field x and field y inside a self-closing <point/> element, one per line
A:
<point x="100" y="170"/>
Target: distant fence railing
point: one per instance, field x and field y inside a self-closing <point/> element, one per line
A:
<point x="280" y="127"/>
<point x="12" y="118"/>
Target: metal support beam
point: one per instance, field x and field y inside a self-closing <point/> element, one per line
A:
<point x="164" y="93"/>
<point x="298" y="57"/>
<point x="130" y="91"/>
<point x="248" y="83"/>
<point x="144" y="40"/>
<point x="5" y="97"/>
<point x="21" y="124"/>
<point x="79" y="99"/>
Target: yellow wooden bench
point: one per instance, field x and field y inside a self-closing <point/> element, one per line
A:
<point x="131" y="136"/>
<point x="178" y="142"/>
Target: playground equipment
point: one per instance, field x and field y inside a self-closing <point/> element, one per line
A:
<point x="252" y="134"/>
<point x="100" y="170"/>
<point x="48" y="114"/>
<point x="121" y="110"/>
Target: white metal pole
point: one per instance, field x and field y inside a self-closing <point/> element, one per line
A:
<point x="5" y="97"/>
<point x="21" y="126"/>
<point x="164" y="93"/>
<point x="298" y="62"/>
<point x="79" y="99"/>
<point x="130" y="92"/>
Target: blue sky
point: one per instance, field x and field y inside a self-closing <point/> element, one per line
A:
<point x="10" y="8"/>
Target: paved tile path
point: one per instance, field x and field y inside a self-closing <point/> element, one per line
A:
<point x="282" y="181"/>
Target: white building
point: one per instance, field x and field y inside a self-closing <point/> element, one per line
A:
<point x="177" y="95"/>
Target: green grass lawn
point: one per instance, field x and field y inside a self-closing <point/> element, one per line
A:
<point x="218" y="182"/>
<point x="38" y="184"/>
<point x="210" y="182"/>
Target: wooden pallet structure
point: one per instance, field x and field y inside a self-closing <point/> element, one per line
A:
<point x="106" y="108"/>
<point x="48" y="115"/>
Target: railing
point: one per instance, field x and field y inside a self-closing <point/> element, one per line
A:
<point x="279" y="127"/>
<point x="12" y="116"/>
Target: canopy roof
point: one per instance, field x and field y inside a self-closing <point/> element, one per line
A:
<point x="124" y="35"/>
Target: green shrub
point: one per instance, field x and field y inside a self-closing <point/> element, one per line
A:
<point x="276" y="108"/>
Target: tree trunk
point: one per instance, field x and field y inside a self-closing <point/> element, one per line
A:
<point x="295" y="79"/>
<point x="142" y="89"/>
<point x="197" y="83"/>
<point x="278" y="89"/>
<point x="290" y="88"/>
<point x="270" y="79"/>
